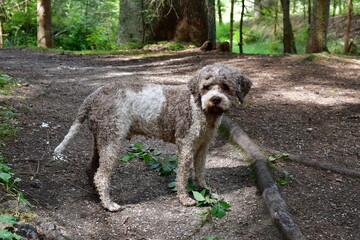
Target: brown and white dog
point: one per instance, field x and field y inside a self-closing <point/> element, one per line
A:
<point x="187" y="115"/>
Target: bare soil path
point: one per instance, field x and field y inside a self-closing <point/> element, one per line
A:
<point x="296" y="105"/>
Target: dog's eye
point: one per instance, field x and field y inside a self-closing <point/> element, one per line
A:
<point x="225" y="87"/>
<point x="206" y="87"/>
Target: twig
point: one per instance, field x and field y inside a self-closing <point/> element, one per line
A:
<point x="317" y="164"/>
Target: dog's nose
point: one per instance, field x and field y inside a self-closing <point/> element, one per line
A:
<point x="216" y="100"/>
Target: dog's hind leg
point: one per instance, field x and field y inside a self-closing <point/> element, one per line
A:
<point x="110" y="139"/>
<point x="94" y="165"/>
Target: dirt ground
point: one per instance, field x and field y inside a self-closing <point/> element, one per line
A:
<point x="297" y="105"/>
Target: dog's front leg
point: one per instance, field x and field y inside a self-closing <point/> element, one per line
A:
<point x="199" y="167"/>
<point x="185" y="159"/>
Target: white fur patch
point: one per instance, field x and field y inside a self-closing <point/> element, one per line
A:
<point x="144" y="105"/>
<point x="206" y="102"/>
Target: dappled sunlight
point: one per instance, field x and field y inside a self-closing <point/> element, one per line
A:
<point x="315" y="95"/>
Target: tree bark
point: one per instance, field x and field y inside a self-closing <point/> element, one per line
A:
<point x="211" y="22"/>
<point x="192" y="26"/>
<point x="348" y="27"/>
<point x="288" y="35"/>
<point x="143" y="21"/>
<point x="317" y="40"/>
<point x="1" y="18"/>
<point x="44" y="33"/>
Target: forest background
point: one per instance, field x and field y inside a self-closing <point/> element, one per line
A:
<point x="96" y="24"/>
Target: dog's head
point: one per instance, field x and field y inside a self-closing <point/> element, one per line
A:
<point x="215" y="87"/>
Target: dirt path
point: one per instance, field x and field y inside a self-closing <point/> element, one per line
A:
<point x="298" y="106"/>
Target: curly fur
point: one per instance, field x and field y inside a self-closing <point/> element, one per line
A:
<point x="185" y="115"/>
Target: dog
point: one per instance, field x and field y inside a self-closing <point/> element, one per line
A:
<point x="186" y="115"/>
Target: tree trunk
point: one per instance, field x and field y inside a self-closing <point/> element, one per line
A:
<point x="44" y="33"/>
<point x="143" y="21"/>
<point x="348" y="27"/>
<point x="1" y="31"/>
<point x="131" y="26"/>
<point x="211" y="22"/>
<point x="231" y="24"/>
<point x="241" y="42"/>
<point x="219" y="7"/>
<point x="309" y="12"/>
<point x="192" y="26"/>
<point x="318" y="27"/>
<point x="288" y="35"/>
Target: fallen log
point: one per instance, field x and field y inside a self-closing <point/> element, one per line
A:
<point x="279" y="210"/>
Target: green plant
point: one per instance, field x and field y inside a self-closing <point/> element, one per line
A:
<point x="6" y="81"/>
<point x="273" y="158"/>
<point x="165" y="166"/>
<point x="206" y="198"/>
<point x="286" y="178"/>
<point x="8" y="181"/>
<point x="8" y="122"/>
<point x="6" y="234"/>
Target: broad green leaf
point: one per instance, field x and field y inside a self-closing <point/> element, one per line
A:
<point x="8" y="219"/>
<point x="282" y="155"/>
<point x="219" y="212"/>
<point x="272" y="158"/>
<point x="17" y="180"/>
<point x="6" y="235"/>
<point x="224" y="205"/>
<point x="172" y="184"/>
<point x="198" y="196"/>
<point x="5" y="177"/>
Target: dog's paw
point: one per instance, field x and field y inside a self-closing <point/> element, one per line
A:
<point x="187" y="201"/>
<point x="113" y="207"/>
<point x="57" y="157"/>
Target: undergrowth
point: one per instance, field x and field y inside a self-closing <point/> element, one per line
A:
<point x="8" y="180"/>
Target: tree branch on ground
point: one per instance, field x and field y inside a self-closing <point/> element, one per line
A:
<point x="278" y="208"/>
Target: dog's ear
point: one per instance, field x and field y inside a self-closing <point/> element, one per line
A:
<point x="193" y="86"/>
<point x="244" y="85"/>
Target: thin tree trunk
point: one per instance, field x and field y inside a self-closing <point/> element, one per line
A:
<point x="241" y="42"/>
<point x="309" y="12"/>
<point x="348" y="27"/>
<point x="1" y="31"/>
<point x="211" y="22"/>
<point x="276" y="16"/>
<point x="219" y="11"/>
<point x="1" y="35"/>
<point x="334" y="8"/>
<point x="44" y="34"/>
<point x="288" y="35"/>
<point x="231" y="24"/>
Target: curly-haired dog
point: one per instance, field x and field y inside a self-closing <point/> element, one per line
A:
<point x="187" y="115"/>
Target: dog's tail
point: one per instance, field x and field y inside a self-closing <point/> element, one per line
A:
<point x="81" y="116"/>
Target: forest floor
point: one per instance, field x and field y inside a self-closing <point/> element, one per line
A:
<point x="298" y="105"/>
